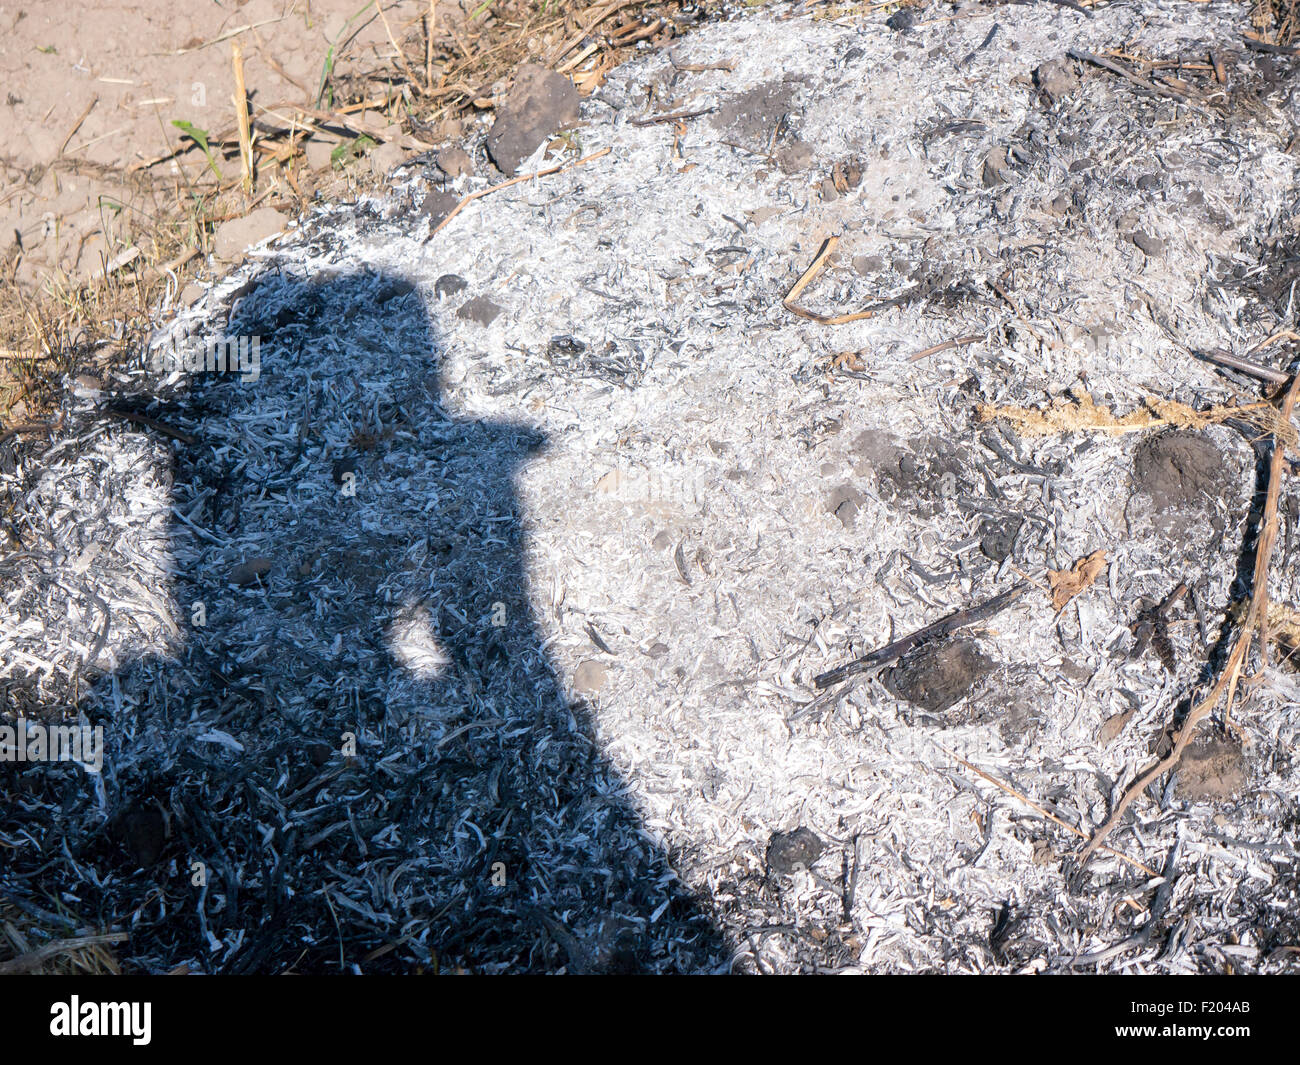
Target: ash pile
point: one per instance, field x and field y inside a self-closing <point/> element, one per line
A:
<point x="477" y="621"/>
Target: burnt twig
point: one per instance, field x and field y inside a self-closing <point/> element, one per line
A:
<point x="1219" y="357"/>
<point x="895" y="650"/>
<point x="152" y="423"/>
<point x="1129" y="76"/>
<point x="956" y="342"/>
<point x="675" y="116"/>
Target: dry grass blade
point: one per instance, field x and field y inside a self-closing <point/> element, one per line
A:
<point x="397" y="48"/>
<point x="34" y="960"/>
<point x="1022" y="797"/>
<point x="241" y="118"/>
<point x="805" y="280"/>
<point x="1256" y="621"/>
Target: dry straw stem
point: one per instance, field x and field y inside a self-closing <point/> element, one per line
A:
<point x="401" y="58"/>
<point x="1080" y="414"/>
<point x="515" y="181"/>
<point x="241" y="118"/>
<point x="1257" y="618"/>
<point x="1039" y="810"/>
<point x="35" y="960"/>
<point x="806" y="278"/>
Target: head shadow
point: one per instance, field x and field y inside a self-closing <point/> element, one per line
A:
<point x="368" y="754"/>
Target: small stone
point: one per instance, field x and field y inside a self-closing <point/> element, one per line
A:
<point x="936" y="677"/>
<point x="657" y="650"/>
<point x="248" y="572"/>
<point x="234" y="237"/>
<point x="788" y="851"/>
<point x="1112" y="727"/>
<point x="87" y="384"/>
<point x="1080" y="165"/>
<point x="454" y="162"/>
<point x="794" y="158"/>
<point x="1211" y="769"/>
<point x="995" y="168"/>
<point x="1056" y="79"/>
<point x="319" y="152"/>
<point x="1149" y="244"/>
<point x="844" y="502"/>
<point x="393" y="289"/>
<point x="540" y="102"/>
<point x="868" y="264"/>
<point x="449" y="285"/>
<point x="901" y="20"/>
<point x="388" y="156"/>
<point x="437" y="205"/>
<point x="590" y="676"/>
<point x="999" y="537"/>
<point x="319" y="752"/>
<point x="1149" y="182"/>
<point x="480" y="309"/>
<point x="1060" y="204"/>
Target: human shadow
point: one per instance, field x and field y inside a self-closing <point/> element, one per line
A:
<point x="361" y="757"/>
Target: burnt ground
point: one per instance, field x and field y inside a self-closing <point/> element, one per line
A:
<point x="559" y="511"/>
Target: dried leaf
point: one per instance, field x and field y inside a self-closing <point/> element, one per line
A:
<point x="1067" y="583"/>
<point x="1112" y="727"/>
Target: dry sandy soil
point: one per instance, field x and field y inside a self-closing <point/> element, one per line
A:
<point x="90" y="99"/>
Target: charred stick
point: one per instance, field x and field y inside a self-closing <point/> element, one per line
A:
<point x="151" y="423"/>
<point x="895" y="650"/>
<point x="1235" y="362"/>
<point x="1145" y="83"/>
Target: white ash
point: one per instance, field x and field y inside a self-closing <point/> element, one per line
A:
<point x="678" y="515"/>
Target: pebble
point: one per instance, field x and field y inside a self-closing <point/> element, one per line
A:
<point x="1150" y="245"/>
<point x="480" y="309"/>
<point x="449" y="285"/>
<point x="248" y="572"/>
<point x="788" y="851"/>
<point x="1056" y="79"/>
<point x="233" y="238"/>
<point x="590" y="677"/>
<point x="540" y="102"/>
<point x="454" y="162"/>
<point x="844" y="502"/>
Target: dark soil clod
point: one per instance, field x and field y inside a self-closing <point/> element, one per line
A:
<point x="939" y="676"/>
